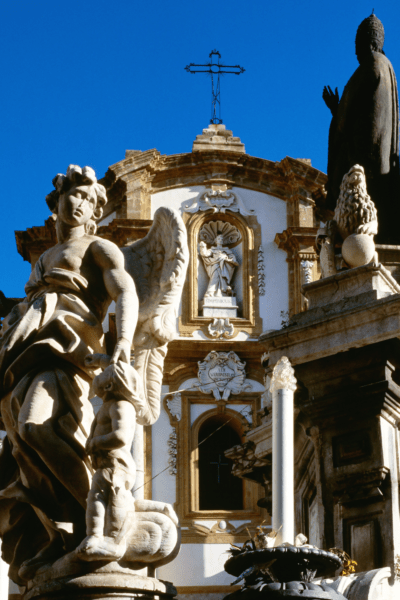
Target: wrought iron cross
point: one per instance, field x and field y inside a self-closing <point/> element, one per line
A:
<point x="215" y="69"/>
<point x="219" y="465"/>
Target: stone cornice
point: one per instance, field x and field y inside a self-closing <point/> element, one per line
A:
<point x="373" y="322"/>
<point x="35" y="240"/>
<point x="279" y="179"/>
<point x="125" y="231"/>
<point x="293" y="238"/>
<point x="131" y="182"/>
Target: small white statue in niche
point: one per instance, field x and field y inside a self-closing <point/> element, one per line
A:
<point x="219" y="262"/>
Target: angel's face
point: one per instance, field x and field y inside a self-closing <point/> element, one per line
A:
<point x="219" y="240"/>
<point x="103" y="383"/>
<point x="76" y="206"/>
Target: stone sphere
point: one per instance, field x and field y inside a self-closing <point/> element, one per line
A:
<point x="358" y="249"/>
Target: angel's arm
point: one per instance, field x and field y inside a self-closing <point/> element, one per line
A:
<point x="121" y="288"/>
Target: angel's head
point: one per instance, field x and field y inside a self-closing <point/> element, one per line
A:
<point x="219" y="240"/>
<point x="77" y="199"/>
<point x="120" y="381"/>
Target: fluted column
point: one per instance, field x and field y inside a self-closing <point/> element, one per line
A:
<point x="283" y="386"/>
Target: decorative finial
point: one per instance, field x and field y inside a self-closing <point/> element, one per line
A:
<point x="283" y="376"/>
<point x="215" y="68"/>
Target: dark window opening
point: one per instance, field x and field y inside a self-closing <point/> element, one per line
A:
<point x="219" y="489"/>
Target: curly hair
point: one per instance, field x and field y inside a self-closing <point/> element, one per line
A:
<point x="79" y="176"/>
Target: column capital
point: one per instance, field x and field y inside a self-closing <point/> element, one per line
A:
<point x="283" y="376"/>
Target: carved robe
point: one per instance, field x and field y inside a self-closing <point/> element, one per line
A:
<point x="52" y="330"/>
<point x="220" y="264"/>
<point x="365" y="131"/>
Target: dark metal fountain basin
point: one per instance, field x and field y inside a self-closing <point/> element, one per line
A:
<point x="292" y="589"/>
<point x="286" y="563"/>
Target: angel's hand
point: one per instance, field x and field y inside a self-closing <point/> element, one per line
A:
<point x="122" y="351"/>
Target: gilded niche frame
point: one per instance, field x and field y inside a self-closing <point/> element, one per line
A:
<point x="250" y="231"/>
<point x="187" y="480"/>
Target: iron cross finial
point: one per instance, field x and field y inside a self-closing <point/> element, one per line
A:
<point x="215" y="69"/>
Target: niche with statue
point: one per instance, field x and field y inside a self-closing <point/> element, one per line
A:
<point x="220" y="292"/>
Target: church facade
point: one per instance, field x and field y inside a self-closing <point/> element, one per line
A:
<point x="251" y="226"/>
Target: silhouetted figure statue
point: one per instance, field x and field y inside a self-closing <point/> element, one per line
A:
<point x="365" y="129"/>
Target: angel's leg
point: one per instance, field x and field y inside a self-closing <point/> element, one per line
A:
<point x="96" y="505"/>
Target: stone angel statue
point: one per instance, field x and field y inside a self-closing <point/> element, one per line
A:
<point x="46" y="383"/>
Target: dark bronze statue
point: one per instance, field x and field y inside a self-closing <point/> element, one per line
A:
<point x="365" y="130"/>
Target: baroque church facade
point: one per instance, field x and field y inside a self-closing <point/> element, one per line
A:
<point x="251" y="226"/>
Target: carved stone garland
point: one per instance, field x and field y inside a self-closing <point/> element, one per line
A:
<point x="261" y="274"/>
<point x="173" y="451"/>
<point x="174" y="407"/>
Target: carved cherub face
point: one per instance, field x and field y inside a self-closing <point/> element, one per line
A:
<point x="77" y="205"/>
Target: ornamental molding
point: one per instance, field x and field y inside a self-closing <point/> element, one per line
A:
<point x="296" y="240"/>
<point x="173" y="452"/>
<point x="307" y="269"/>
<point x="245" y="459"/>
<point x="261" y="274"/>
<point x="283" y="376"/>
<point x="174" y="406"/>
<point x="218" y="199"/>
<point x="221" y="328"/>
<point x="222" y="373"/>
<point x="212" y="229"/>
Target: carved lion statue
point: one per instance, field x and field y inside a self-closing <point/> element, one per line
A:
<point x="355" y="212"/>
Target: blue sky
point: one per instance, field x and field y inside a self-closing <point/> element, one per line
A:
<point x="84" y="81"/>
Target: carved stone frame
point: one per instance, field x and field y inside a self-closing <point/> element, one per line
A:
<point x="250" y="231"/>
<point x="186" y="505"/>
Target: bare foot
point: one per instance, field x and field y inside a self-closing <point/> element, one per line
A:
<point x="100" y="548"/>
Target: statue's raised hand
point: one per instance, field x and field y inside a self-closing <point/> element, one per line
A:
<point x="331" y="99"/>
<point x="122" y="351"/>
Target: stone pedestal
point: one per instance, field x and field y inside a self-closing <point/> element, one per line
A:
<point x="389" y="256"/>
<point x="351" y="287"/>
<point x="220" y="306"/>
<point x="217" y="137"/>
<point x="377" y="584"/>
<point x="69" y="580"/>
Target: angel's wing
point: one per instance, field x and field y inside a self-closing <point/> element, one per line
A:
<point x="157" y="264"/>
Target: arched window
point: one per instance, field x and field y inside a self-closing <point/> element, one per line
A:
<point x="218" y="488"/>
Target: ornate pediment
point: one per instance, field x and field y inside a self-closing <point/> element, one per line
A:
<point x="219" y="199"/>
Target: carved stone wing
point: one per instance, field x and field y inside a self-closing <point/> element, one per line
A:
<point x="158" y="265"/>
